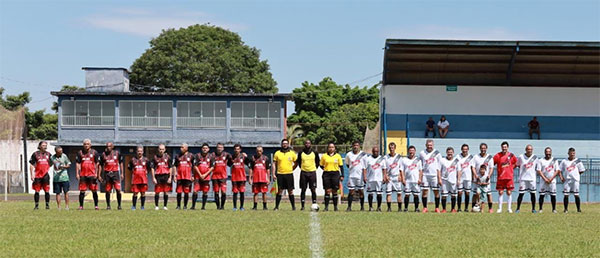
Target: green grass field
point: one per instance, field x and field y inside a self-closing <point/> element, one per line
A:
<point x="286" y="233"/>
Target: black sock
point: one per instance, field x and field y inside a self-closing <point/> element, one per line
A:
<point x="255" y="205"/>
<point x="460" y="201"/>
<point x="566" y="202"/>
<point x="467" y="197"/>
<point x="519" y="200"/>
<point x="223" y="199"/>
<point x="335" y="200"/>
<point x="406" y="201"/>
<point x="235" y="200"/>
<point x="178" y="200"/>
<point x="416" y="200"/>
<point x="194" y="198"/>
<point x="327" y="198"/>
<point x="156" y="197"/>
<point x="217" y="200"/>
<point x="453" y="201"/>
<point x="424" y="199"/>
<point x="204" y="199"/>
<point x="81" y="196"/>
<point x="186" y="198"/>
<point x="264" y="205"/>
<point x="95" y="197"/>
<point x="302" y="197"/>
<point x="134" y="200"/>
<point x="389" y="205"/>
<point x="242" y="200"/>
<point x="313" y="195"/>
<point x="165" y="199"/>
<point x="542" y="201"/>
<point x="370" y="197"/>
<point x="362" y="201"/>
<point x="444" y="203"/>
<point x="119" y="198"/>
<point x="36" y="198"/>
<point x="277" y="201"/>
<point x="437" y="201"/>
<point x="143" y="198"/>
<point x="578" y="202"/>
<point x="47" y="198"/>
<point x="553" y="200"/>
<point x="350" y="199"/>
<point x="107" y="195"/>
<point x="532" y="195"/>
<point x="399" y="204"/>
<point x="379" y="201"/>
<point x="490" y="205"/>
<point x="292" y="200"/>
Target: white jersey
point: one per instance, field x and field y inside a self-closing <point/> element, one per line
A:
<point x="375" y="167"/>
<point x="394" y="165"/>
<point x="478" y="160"/>
<point x="449" y="170"/>
<point x="355" y="164"/>
<point x="527" y="167"/>
<point x="548" y="168"/>
<point x="411" y="168"/>
<point x="572" y="169"/>
<point x="431" y="162"/>
<point x="465" y="164"/>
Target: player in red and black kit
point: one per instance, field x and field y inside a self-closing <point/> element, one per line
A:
<point x="203" y="167"/>
<point x="161" y="175"/>
<point x="238" y="163"/>
<point x="111" y="163"/>
<point x="183" y="164"/>
<point x="505" y="165"/>
<point x="260" y="175"/>
<point x="139" y="166"/>
<point x="40" y="164"/>
<point x="87" y="166"/>
<point x="219" y="175"/>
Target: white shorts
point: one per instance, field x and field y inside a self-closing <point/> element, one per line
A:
<point x="393" y="186"/>
<point x="355" y="183"/>
<point x="527" y="186"/>
<point x="449" y="188"/>
<point x="430" y="182"/>
<point x="571" y="187"/>
<point x="412" y="188"/>
<point x="464" y="186"/>
<point x="483" y="189"/>
<point x="547" y="188"/>
<point x="374" y="187"/>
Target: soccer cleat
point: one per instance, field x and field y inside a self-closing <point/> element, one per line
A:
<point x="378" y="209"/>
<point x="437" y="210"/>
<point x="142" y="208"/>
<point x="47" y="207"/>
<point x="184" y="208"/>
<point x="156" y="208"/>
<point x="566" y="211"/>
<point x="242" y="209"/>
<point x="178" y="208"/>
<point x="370" y="208"/>
<point x="510" y="211"/>
<point x="203" y="209"/>
<point x="578" y="211"/>
<point x="554" y="211"/>
<point x="119" y="208"/>
<point x="466" y="210"/>
<point x="132" y="208"/>
<point x="443" y="211"/>
<point x="499" y="211"/>
<point x="234" y="209"/>
<point x="425" y="210"/>
<point x="540" y="211"/>
<point x="36" y="208"/>
<point x="254" y="208"/>
<point x="165" y="208"/>
<point x="453" y="211"/>
<point x="275" y="209"/>
<point x="326" y="209"/>
<point x="348" y="209"/>
<point x="405" y="210"/>
<point x="107" y="207"/>
<point x="417" y="210"/>
<point x="389" y="209"/>
<point x="265" y="209"/>
<point x="491" y="211"/>
<point x="97" y="208"/>
<point x="517" y="211"/>
<point x="293" y="208"/>
<point x="362" y="208"/>
<point x="533" y="211"/>
<point x="193" y="208"/>
<point x="80" y="208"/>
<point x="302" y="208"/>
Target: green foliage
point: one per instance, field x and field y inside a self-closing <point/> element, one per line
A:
<point x="12" y="102"/>
<point x="330" y="112"/>
<point x="202" y="58"/>
<point x="40" y="126"/>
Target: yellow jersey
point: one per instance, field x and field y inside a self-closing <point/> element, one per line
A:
<point x="308" y="162"/>
<point x="331" y="163"/>
<point x="285" y="161"/>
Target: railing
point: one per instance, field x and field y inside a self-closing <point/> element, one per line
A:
<point x="199" y="122"/>
<point x="88" y="120"/>
<point x="255" y="123"/>
<point x="150" y="122"/>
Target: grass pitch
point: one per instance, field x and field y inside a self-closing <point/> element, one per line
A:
<point x="286" y="233"/>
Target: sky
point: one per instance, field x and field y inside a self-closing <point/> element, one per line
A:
<point x="44" y="44"/>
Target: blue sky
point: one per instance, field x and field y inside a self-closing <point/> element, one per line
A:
<point x="44" y="44"/>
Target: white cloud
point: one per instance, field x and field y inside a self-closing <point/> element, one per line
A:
<point x="149" y="23"/>
<point x="459" y="33"/>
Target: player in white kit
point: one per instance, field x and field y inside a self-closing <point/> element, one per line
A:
<point x="450" y="178"/>
<point x="483" y="158"/>
<point x="356" y="175"/>
<point x="527" y="164"/>
<point x="466" y="166"/>
<point x="376" y="176"/>
<point x="548" y="169"/>
<point x="412" y="172"/>
<point x="394" y="164"/>
<point x="573" y="168"/>
<point x="431" y="178"/>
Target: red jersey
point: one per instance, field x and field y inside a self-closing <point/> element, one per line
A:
<point x="162" y="164"/>
<point x="238" y="168"/>
<point x="184" y="163"/>
<point x="260" y="166"/>
<point x="505" y="165"/>
<point x="41" y="162"/>
<point x="110" y="161"/>
<point x="88" y="162"/>
<point x="204" y="163"/>
<point x="139" y="170"/>
<point x="220" y="168"/>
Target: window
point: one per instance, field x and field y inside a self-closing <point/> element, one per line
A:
<point x="201" y="114"/>
<point x="145" y="114"/>
<point x="87" y="113"/>
<point x="256" y="115"/>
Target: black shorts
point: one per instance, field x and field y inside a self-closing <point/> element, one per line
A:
<point x="308" y="178"/>
<point x="285" y="181"/>
<point x="331" y="180"/>
<point x="184" y="183"/>
<point x="42" y="180"/>
<point x="162" y="178"/>
<point x="112" y="176"/>
<point x="61" y="187"/>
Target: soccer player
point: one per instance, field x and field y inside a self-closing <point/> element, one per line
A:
<point x="259" y="178"/>
<point x="61" y="176"/>
<point x="412" y="172"/>
<point x="466" y="165"/>
<point x="527" y="164"/>
<point x="87" y="161"/>
<point x="356" y="175"/>
<point x="285" y="160"/>
<point x="483" y="190"/>
<point x="161" y="176"/>
<point x="505" y="163"/>
<point x="307" y="161"/>
<point x="484" y="160"/>
<point x="332" y="165"/>
<point x="111" y="162"/>
<point x="548" y="170"/>
<point x="219" y="175"/>
<point x="139" y="166"/>
<point x="39" y="166"/>
<point x="393" y="162"/>
<point x="431" y="174"/>
<point x="450" y="175"/>
<point x="238" y="162"/>
<point x="183" y="163"/>
<point x="376" y="176"/>
<point x="203" y="168"/>
<point x="573" y="167"/>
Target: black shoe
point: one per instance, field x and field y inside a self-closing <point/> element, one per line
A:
<point x="254" y="208"/>
<point x="378" y="210"/>
<point x="275" y="209"/>
<point x="119" y="208"/>
<point x="108" y="207"/>
<point x="193" y="208"/>
<point x="578" y="211"/>
<point x="458" y="210"/>
<point x="265" y="209"/>
<point x="35" y="208"/>
<point x="48" y="207"/>
<point x="203" y="208"/>
<point x="293" y="208"/>
<point x="184" y="207"/>
<point x="389" y="210"/>
<point x="178" y="208"/>
<point x="348" y="209"/>
<point x="370" y="208"/>
<point x="417" y="210"/>
<point x="405" y="210"/>
<point x="335" y="209"/>
<point x="302" y="208"/>
<point x="362" y="208"/>
<point x="326" y="209"/>
<point x="466" y="210"/>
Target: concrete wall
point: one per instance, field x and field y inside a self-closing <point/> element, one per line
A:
<point x="12" y="159"/>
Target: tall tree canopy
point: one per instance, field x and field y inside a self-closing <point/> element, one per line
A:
<point x="40" y="126"/>
<point x="331" y="112"/>
<point x="202" y="58"/>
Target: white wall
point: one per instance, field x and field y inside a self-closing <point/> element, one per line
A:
<point x="492" y="100"/>
<point x="11" y="158"/>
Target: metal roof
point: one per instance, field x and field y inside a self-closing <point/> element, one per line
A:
<point x="287" y="96"/>
<point x="492" y="63"/>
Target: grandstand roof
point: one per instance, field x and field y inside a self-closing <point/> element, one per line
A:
<point x="287" y="96"/>
<point x="491" y="63"/>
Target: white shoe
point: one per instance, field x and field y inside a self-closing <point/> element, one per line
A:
<point x="499" y="211"/>
<point x="540" y="211"/>
<point x="156" y="208"/>
<point x="509" y="210"/>
<point x="165" y="208"/>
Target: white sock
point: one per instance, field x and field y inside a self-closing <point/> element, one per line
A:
<point x="509" y="201"/>
<point x="500" y="201"/>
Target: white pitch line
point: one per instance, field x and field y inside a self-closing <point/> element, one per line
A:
<point x="315" y="236"/>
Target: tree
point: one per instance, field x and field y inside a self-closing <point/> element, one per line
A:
<point x="12" y="102"/>
<point x="201" y="58"/>
<point x="330" y="112"/>
<point x="40" y="126"/>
